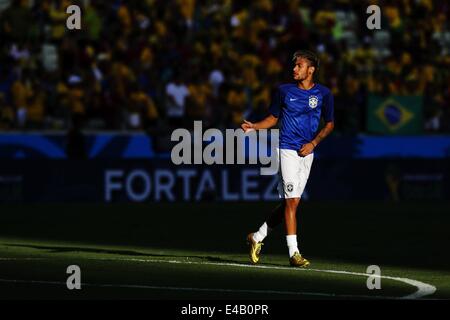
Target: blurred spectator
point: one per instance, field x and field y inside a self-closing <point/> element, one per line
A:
<point x="142" y="112"/>
<point x="216" y="79"/>
<point x="17" y="21"/>
<point x="176" y="93"/>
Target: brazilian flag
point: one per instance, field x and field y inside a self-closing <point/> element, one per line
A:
<point x="395" y="114"/>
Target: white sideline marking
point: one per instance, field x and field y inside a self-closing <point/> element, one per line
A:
<point x="423" y="289"/>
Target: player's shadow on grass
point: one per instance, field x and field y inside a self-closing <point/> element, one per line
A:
<point x="56" y="249"/>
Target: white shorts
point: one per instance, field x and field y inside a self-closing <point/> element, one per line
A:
<point x="293" y="173"/>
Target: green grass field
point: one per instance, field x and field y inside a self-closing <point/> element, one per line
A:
<point x="198" y="251"/>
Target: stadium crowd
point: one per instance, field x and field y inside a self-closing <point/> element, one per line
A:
<point x="147" y="64"/>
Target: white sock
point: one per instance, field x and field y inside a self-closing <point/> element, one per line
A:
<point x="263" y="231"/>
<point x="292" y="244"/>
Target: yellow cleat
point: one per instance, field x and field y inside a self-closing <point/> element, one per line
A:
<point x="255" y="248"/>
<point x="298" y="261"/>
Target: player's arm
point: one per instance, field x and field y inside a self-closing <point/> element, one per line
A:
<point x="267" y="123"/>
<point x="307" y="148"/>
<point x="272" y="119"/>
<point x="326" y="130"/>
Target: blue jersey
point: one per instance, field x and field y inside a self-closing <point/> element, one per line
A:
<point x="299" y="111"/>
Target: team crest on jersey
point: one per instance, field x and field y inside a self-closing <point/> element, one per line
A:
<point x="313" y="101"/>
<point x="290" y="187"/>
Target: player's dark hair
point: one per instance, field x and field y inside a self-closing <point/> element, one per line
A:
<point x="312" y="58"/>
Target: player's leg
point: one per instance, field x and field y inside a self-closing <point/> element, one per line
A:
<point x="255" y="239"/>
<point x="295" y="172"/>
<point x="276" y="216"/>
<point x="295" y="258"/>
<point x="290" y="221"/>
<point x="273" y="220"/>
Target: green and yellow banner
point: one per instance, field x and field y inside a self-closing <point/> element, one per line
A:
<point x="395" y="114"/>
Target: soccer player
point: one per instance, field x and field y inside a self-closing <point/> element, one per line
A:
<point x="299" y="106"/>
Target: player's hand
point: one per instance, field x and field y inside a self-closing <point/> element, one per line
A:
<point x="247" y="126"/>
<point x="306" y="149"/>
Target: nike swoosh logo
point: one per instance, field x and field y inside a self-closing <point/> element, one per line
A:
<point x="293" y="99"/>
